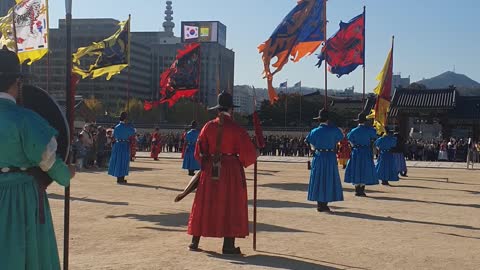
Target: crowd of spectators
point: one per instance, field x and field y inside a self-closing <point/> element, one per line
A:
<point x="93" y="145"/>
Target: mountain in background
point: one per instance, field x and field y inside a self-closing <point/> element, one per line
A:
<point x="448" y="78"/>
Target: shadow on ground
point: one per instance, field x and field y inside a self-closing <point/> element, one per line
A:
<point x="54" y="196"/>
<point x="391" y="219"/>
<point x="180" y="220"/>
<point x="152" y="187"/>
<point x="271" y="261"/>
<point x="462" y="236"/>
<point x="429" y="202"/>
<point x="432" y="188"/>
<point x="304" y="187"/>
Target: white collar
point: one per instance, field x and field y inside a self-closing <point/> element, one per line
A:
<point x="226" y="113"/>
<point x="7" y="96"/>
<point x="122" y="122"/>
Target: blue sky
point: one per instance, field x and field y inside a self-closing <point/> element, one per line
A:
<point x="431" y="36"/>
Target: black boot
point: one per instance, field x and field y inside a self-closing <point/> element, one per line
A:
<point x="121" y="180"/>
<point x="385" y="183"/>
<point x="358" y="191"/>
<point x="191" y="172"/>
<point x="229" y="246"/>
<point x="362" y="192"/>
<point x="323" y="207"/>
<point x="194" y="245"/>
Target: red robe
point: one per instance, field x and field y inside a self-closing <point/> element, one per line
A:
<point x="156" y="145"/>
<point x="344" y="149"/>
<point x="133" y="147"/>
<point x="220" y="206"/>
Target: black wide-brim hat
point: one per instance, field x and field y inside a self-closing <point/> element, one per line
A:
<point x="224" y="101"/>
<point x="9" y="63"/>
<point x="362" y="117"/>
<point x="322" y="115"/>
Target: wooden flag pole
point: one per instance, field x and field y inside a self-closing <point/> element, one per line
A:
<point x="70" y="96"/>
<point x="255" y="186"/>
<point x="326" y="68"/>
<point x="364" y="52"/>
<point x="128" y="59"/>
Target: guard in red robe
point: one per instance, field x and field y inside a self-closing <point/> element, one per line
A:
<point x="156" y="144"/>
<point x="220" y="206"/>
<point x="133" y="147"/>
<point x="344" y="150"/>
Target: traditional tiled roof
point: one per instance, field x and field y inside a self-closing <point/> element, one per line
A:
<point x="415" y="100"/>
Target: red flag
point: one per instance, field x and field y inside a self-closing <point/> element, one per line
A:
<point x="345" y="50"/>
<point x="182" y="79"/>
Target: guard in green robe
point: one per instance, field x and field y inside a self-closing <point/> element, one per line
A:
<point x="27" y="143"/>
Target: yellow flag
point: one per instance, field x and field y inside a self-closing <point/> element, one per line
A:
<point x="6" y="30"/>
<point x="112" y="54"/>
<point x="384" y="95"/>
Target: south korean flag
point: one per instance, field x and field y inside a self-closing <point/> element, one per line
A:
<point x="190" y="32"/>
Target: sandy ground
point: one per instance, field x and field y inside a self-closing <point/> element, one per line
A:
<point x="422" y="222"/>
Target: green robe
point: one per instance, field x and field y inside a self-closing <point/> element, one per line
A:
<point x="24" y="243"/>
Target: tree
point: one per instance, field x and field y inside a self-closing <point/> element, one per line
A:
<point x="94" y="105"/>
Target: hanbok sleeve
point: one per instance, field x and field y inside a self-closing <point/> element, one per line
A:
<point x="201" y="147"/>
<point x="338" y="135"/>
<point x="378" y="142"/>
<point x="248" y="151"/>
<point x="40" y="146"/>
<point x="351" y="137"/>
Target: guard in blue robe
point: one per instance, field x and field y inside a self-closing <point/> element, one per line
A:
<point x="325" y="185"/>
<point x="360" y="168"/>
<point x="120" y="158"/>
<point x="399" y="156"/>
<point x="189" y="161"/>
<point x="386" y="167"/>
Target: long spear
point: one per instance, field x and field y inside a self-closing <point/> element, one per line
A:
<point x="70" y="96"/>
<point x="260" y="143"/>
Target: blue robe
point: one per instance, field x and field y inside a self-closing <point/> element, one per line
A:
<point x="325" y="184"/>
<point x="24" y="242"/>
<point x="360" y="168"/>
<point x="120" y="158"/>
<point x="386" y="166"/>
<point x="189" y="161"/>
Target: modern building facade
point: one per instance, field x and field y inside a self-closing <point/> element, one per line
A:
<point x="135" y="81"/>
<point x="5" y="5"/>
<point x="151" y="53"/>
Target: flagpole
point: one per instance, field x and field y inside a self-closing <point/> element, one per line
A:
<point x="255" y="185"/>
<point x="286" y="105"/>
<point x="301" y="97"/>
<point x="128" y="71"/>
<point x="70" y="116"/>
<point x="326" y="69"/>
<point x="48" y="49"/>
<point x="364" y="52"/>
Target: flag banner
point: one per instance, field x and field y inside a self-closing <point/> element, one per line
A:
<point x="6" y="30"/>
<point x="182" y="79"/>
<point x="284" y="84"/>
<point x="191" y="32"/>
<point x="345" y="51"/>
<point x="384" y="95"/>
<point x="113" y="54"/>
<point x="298" y="35"/>
<point x="31" y="29"/>
<point x="298" y="84"/>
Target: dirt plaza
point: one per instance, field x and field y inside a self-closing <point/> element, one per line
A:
<point x="430" y="220"/>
